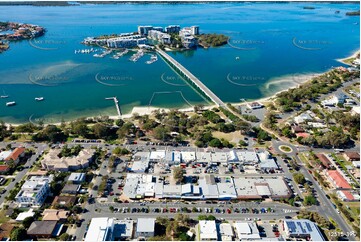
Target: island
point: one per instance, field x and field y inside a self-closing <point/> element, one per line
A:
<point x="11" y="31"/>
<point x="172" y="37"/>
<point x="353" y="13"/>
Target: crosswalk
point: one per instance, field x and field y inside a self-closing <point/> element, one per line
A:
<point x="289" y="211"/>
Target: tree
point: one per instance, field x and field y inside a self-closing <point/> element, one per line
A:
<point x="178" y="174"/>
<point x="215" y="143"/>
<point x="242" y="143"/>
<point x="27" y="222"/>
<point x="100" y="131"/>
<point x="18" y="234"/>
<point x="64" y="237"/>
<point x="160" y="133"/>
<point x="299" y="178"/>
<point x="310" y="200"/>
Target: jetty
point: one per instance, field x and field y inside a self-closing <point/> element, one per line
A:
<point x="194" y="81"/>
<point x="116" y="105"/>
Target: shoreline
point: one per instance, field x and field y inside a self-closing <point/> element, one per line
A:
<point x="354" y="55"/>
<point x="147" y="110"/>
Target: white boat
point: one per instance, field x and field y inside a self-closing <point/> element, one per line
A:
<point x="4" y="96"/>
<point x="153" y="59"/>
<point x="10" y="103"/>
<point x="39" y="98"/>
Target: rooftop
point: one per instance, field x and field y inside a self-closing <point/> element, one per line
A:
<point x="339" y="180"/>
<point x="208" y="230"/>
<point x="145" y="225"/>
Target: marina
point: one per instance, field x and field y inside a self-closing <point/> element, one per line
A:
<point x="135" y="57"/>
<point x="153" y="59"/>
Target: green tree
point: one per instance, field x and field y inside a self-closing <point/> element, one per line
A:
<point x="215" y="143"/>
<point x="27" y="222"/>
<point x="299" y="178"/>
<point x="178" y="174"/>
<point x="64" y="237"/>
<point x="18" y="234"/>
<point x="310" y="200"/>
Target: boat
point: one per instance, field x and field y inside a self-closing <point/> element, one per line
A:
<point x="337" y="11"/>
<point x="39" y="99"/>
<point x="237" y="58"/>
<point x="4" y="96"/>
<point x="153" y="59"/>
<point x="135" y="57"/>
<point x="11" y="103"/>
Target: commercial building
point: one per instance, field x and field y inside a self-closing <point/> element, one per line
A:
<point x="259" y="188"/>
<point x="226" y="232"/>
<point x="139" y="186"/>
<point x="123" y="230"/>
<point x="34" y="191"/>
<point x="145" y="227"/>
<point x="302" y="229"/>
<point x="226" y="191"/>
<point x="100" y="229"/>
<point x="246" y="231"/>
<point x="208" y="186"/>
<point x="52" y="161"/>
<point x="208" y="230"/>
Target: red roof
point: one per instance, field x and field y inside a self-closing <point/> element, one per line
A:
<point x="4" y="168"/>
<point x="338" y="179"/>
<point x="15" y="154"/>
<point x="348" y="195"/>
<point x="325" y="161"/>
<point x="303" y="135"/>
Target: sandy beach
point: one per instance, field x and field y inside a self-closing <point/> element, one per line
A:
<point x="344" y="60"/>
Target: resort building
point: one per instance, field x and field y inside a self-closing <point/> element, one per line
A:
<point x="302" y="229"/>
<point x="163" y="38"/>
<point x="172" y="29"/>
<point x="126" y="41"/>
<point x="52" y="161"/>
<point x="34" y="191"/>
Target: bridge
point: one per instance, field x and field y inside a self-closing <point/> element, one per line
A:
<point x="194" y="81"/>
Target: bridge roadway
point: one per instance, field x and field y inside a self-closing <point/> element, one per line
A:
<point x="192" y="78"/>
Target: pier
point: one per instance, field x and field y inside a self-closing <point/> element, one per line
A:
<point x="194" y="81"/>
<point x="116" y="105"/>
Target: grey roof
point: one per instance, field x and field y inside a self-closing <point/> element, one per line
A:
<point x="42" y="228"/>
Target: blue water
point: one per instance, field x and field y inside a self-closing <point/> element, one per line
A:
<point x="270" y="41"/>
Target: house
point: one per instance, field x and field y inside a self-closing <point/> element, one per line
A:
<point x="100" y="229"/>
<point x="303" y="117"/>
<point x="208" y="230"/>
<point x="51" y="160"/>
<point x="247" y="231"/>
<point x="324" y="160"/>
<point x="76" y="178"/>
<point x="226" y="232"/>
<point x="254" y="105"/>
<point x="5" y="231"/>
<point x="302" y="229"/>
<point x="25" y="215"/>
<point x="337" y="180"/>
<point x="55" y="215"/>
<point x="4" y="169"/>
<point x="42" y="229"/>
<point x="15" y="155"/>
<point x="145" y="227"/>
<point x="348" y="196"/>
<point x="297" y="129"/>
<point x="34" y="191"/>
<point x="4" y="154"/>
<point x="71" y="189"/>
<point x="351" y="156"/>
<point x="64" y="201"/>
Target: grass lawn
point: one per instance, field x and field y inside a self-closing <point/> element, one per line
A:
<point x="354" y="207"/>
<point x="3" y="218"/>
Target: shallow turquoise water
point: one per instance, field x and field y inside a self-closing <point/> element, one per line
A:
<point x="264" y="35"/>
